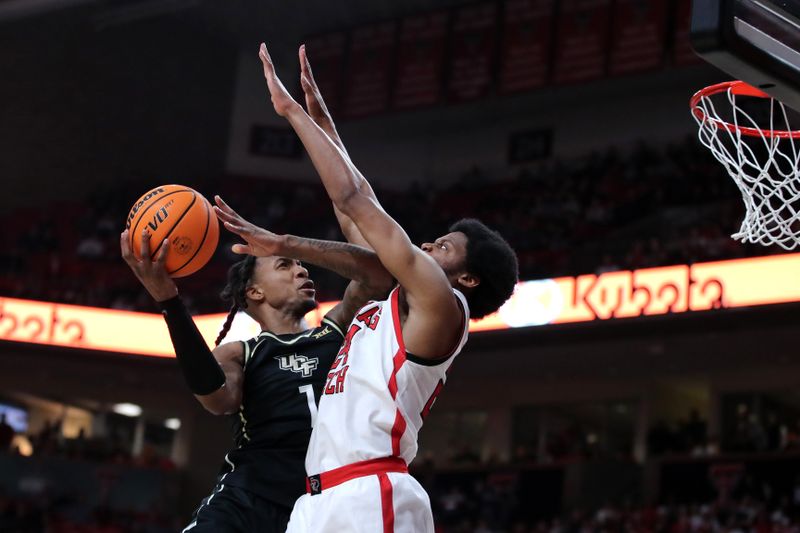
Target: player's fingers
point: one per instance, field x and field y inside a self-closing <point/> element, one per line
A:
<point x="264" y="51"/>
<point x="231" y="215"/>
<point x="161" y="258"/>
<point x="301" y="54"/>
<point x="227" y="217"/>
<point x="222" y="215"/>
<point x="243" y="249"/>
<point x="228" y="210"/>
<point x="220" y="202"/>
<point x="225" y="209"/>
<point x="238" y="230"/>
<point x="305" y="68"/>
<point x="125" y="246"/>
<point x="266" y="60"/>
<point x="145" y="245"/>
<point x="312" y="104"/>
<point x="268" y="71"/>
<point x="308" y="89"/>
<point x="306" y="64"/>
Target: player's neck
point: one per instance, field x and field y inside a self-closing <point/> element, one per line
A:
<point x="280" y="322"/>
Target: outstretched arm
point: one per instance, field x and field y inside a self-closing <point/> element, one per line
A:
<point x="318" y="111"/>
<point x="357" y="294"/>
<point x="348" y="260"/>
<point x="215" y="377"/>
<point x="370" y="280"/>
<point x="433" y="323"/>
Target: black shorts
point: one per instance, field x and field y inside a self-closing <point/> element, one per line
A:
<point x="234" y="510"/>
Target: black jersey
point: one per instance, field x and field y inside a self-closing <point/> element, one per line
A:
<point x="283" y="380"/>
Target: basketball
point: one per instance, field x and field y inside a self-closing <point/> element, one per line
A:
<point x="181" y="215"/>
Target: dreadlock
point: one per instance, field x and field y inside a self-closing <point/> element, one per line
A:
<point x="239" y="275"/>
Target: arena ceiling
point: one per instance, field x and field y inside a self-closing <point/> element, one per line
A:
<point x="239" y="20"/>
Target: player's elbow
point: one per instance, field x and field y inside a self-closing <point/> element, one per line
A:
<point x="213" y="410"/>
<point x="219" y="404"/>
<point x="352" y="202"/>
<point x="218" y="410"/>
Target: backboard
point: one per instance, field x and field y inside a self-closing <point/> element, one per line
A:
<point x="757" y="41"/>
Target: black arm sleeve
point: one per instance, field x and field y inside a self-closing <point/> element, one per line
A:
<point x="201" y="371"/>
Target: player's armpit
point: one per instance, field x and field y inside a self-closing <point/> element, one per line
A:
<point x="428" y="343"/>
<point x="227" y="399"/>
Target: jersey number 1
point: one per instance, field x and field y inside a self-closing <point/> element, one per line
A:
<point x="312" y="403"/>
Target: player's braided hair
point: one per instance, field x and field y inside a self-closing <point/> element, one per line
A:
<point x="238" y="278"/>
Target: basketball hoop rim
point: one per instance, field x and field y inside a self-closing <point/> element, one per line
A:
<point x="738" y="88"/>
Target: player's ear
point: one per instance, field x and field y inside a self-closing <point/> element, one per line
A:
<point x="468" y="281"/>
<point x="254" y="292"/>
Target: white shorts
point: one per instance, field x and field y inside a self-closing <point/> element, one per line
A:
<point x="389" y="502"/>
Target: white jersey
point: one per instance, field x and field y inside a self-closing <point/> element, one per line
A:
<point x="376" y="397"/>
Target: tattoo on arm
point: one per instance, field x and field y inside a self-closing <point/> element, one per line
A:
<point x="348" y="260"/>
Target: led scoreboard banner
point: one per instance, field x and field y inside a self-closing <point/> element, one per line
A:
<point x="590" y="297"/>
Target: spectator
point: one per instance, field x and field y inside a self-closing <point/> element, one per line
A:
<point x="607" y="211"/>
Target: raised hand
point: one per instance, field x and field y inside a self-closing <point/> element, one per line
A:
<point x="282" y="101"/>
<point x="259" y="242"/>
<point x="152" y="274"/>
<point x="315" y="105"/>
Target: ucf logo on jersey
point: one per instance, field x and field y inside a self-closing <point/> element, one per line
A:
<point x="322" y="333"/>
<point x="298" y="363"/>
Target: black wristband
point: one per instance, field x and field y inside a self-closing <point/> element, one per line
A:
<point x="200" y="369"/>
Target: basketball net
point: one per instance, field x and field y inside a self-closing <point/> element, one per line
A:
<point x="763" y="159"/>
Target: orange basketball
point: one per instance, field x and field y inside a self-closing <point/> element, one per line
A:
<point x="181" y="215"/>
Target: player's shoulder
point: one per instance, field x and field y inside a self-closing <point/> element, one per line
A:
<point x="328" y="330"/>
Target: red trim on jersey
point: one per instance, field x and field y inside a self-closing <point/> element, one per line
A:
<point x="397" y="362"/>
<point x="337" y="476"/>
<point x="400" y="355"/>
<point x="398" y="329"/>
<point x="399" y="426"/>
<point x="398" y="429"/>
<point x="387" y="504"/>
<point x="463" y="327"/>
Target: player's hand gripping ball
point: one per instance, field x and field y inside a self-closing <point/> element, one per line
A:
<point x="181" y="215"/>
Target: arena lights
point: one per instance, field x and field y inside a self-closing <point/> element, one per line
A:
<point x="611" y="295"/>
<point x="127" y="409"/>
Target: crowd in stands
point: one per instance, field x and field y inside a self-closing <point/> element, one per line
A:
<point x="615" y="210"/>
<point x="38" y="505"/>
<point x="753" y="431"/>
<point x="22" y="514"/>
<point x="687" y="437"/>
<point x="469" y="494"/>
<point x="475" y="504"/>
<point x="745" y="515"/>
<point x="110" y="448"/>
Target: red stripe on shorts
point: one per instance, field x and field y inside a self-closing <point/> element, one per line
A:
<point x="387" y="505"/>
